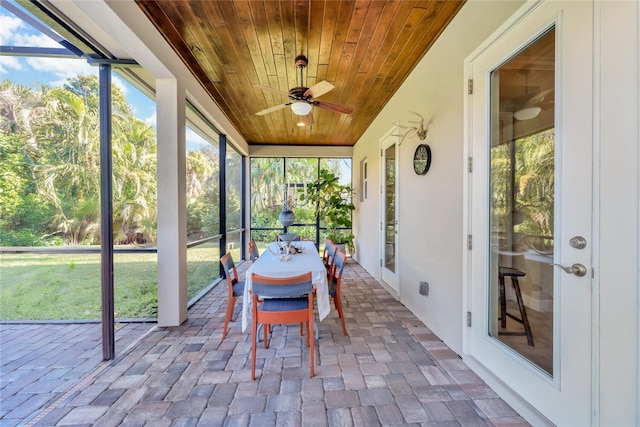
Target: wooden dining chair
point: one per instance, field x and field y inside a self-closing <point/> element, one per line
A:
<point x="281" y="300"/>
<point x="329" y="259"/>
<point x="327" y="243"/>
<point x="254" y="254"/>
<point x="335" y="282"/>
<point x="236" y="288"/>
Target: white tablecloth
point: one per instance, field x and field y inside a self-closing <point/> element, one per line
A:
<point x="270" y="265"/>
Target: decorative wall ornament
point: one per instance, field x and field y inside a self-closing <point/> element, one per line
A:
<point x="418" y="130"/>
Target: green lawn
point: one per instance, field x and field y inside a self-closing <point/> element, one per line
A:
<point x="67" y="286"/>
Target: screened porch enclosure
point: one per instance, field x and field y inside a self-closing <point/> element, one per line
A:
<point x="276" y="179"/>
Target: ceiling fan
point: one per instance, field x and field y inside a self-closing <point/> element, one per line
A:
<point x="529" y="106"/>
<point x="304" y="98"/>
<point x="534" y="105"/>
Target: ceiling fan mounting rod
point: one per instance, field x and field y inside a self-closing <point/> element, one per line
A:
<point x="301" y="63"/>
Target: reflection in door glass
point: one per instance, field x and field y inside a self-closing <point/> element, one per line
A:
<point x="522" y="170"/>
<point x="390" y="208"/>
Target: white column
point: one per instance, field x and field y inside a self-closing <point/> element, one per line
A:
<point x="172" y="215"/>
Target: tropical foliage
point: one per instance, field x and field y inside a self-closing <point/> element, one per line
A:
<point x="270" y="177"/>
<point x="523" y="190"/>
<point x="50" y="170"/>
<point x="333" y="204"/>
<point x="50" y="165"/>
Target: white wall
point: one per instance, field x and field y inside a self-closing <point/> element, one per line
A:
<point x="430" y="206"/>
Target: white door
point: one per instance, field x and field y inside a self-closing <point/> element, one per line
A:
<point x="388" y="211"/>
<point x="530" y="188"/>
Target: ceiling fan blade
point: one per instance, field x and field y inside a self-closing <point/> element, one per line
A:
<point x="540" y="97"/>
<point x="319" y="89"/>
<point x="272" y="109"/>
<point x="338" y="108"/>
<point x="270" y="89"/>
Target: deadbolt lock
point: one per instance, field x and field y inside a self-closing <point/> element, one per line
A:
<point x="578" y="242"/>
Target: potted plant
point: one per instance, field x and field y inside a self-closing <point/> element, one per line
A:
<point x="333" y="207"/>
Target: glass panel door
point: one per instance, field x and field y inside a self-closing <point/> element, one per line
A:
<point x="390" y="208"/>
<point x="388" y="212"/>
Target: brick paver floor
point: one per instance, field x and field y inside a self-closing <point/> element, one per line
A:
<point x="40" y="363"/>
<point x="390" y="370"/>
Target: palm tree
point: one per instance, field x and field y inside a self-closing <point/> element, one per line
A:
<point x="21" y="107"/>
<point x="134" y="181"/>
<point x="69" y="176"/>
<point x="535" y="173"/>
<point x="266" y="182"/>
<point x="202" y="192"/>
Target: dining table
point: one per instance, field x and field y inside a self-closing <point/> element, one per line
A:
<point x="272" y="264"/>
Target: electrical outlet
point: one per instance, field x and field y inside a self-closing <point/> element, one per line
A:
<point x="424" y="288"/>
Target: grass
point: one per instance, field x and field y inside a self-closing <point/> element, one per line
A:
<point x="67" y="286"/>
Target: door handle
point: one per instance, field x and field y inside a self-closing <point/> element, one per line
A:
<point x="577" y="269"/>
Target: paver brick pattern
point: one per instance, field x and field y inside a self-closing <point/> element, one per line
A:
<point x="390" y="370"/>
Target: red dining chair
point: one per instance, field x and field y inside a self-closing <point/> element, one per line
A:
<point x="329" y="258"/>
<point x="281" y="300"/>
<point x="236" y="288"/>
<point x="335" y="281"/>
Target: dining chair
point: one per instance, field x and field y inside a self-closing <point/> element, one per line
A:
<point x="330" y="258"/>
<point x="254" y="254"/>
<point x="281" y="300"/>
<point x="335" y="282"/>
<point x="327" y="243"/>
<point x="236" y="288"/>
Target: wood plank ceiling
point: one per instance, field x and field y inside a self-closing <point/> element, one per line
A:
<point x="365" y="49"/>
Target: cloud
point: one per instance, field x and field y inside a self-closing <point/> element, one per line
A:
<point x="194" y="141"/>
<point x="14" y="32"/>
<point x="8" y="30"/>
<point x="34" y="40"/>
<point x="9" y="62"/>
<point x="62" y="69"/>
<point x="151" y="120"/>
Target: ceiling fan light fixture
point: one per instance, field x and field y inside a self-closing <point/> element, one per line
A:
<point x="301" y="108"/>
<point x="527" y="113"/>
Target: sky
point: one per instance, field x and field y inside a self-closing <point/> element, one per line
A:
<point x="15" y="32"/>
